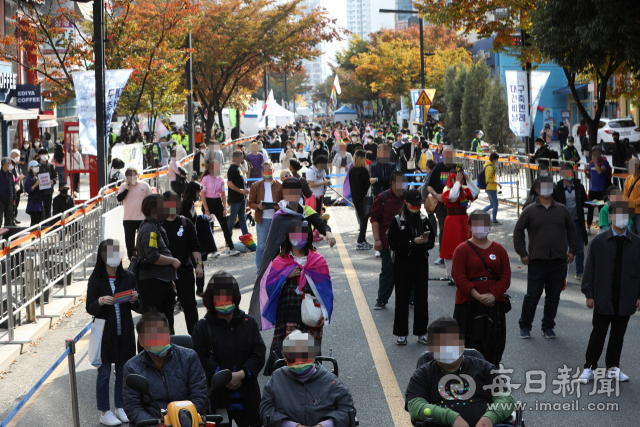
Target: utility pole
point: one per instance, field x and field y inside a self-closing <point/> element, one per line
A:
<point x="266" y="94"/>
<point x="189" y="71"/>
<point x="98" y="39"/>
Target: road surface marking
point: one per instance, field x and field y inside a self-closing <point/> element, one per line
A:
<point x="45" y="385"/>
<point x="392" y="392"/>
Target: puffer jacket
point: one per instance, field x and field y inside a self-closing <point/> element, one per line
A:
<point x="181" y="378"/>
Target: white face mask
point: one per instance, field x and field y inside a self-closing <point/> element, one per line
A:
<point x="45" y="158"/>
<point x="36" y="144"/>
<point x="544" y="173"/>
<point x="35" y="169"/>
<point x="621" y="220"/>
<point x="10" y="167"/>
<point x="134" y="180"/>
<point x="113" y="259"/>
<point x="481" y="232"/>
<point x="25" y="146"/>
<point x="448" y="354"/>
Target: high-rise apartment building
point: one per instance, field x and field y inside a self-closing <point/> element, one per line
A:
<point x="403" y="18"/>
<point x="316" y="69"/>
<point x="364" y="17"/>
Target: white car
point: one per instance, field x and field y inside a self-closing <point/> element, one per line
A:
<point x="625" y="127"/>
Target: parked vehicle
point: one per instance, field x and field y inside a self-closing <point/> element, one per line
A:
<point x="625" y="127"/>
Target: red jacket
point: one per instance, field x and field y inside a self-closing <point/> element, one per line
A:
<point x="467" y="265"/>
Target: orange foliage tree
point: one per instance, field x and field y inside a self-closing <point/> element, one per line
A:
<point x="236" y="41"/>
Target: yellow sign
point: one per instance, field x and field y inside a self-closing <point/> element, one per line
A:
<point x="424" y="99"/>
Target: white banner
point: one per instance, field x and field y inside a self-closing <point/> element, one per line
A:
<point x="130" y="154"/>
<point x="518" y="99"/>
<point x="268" y="106"/>
<point x="538" y="81"/>
<point x="85" y="86"/>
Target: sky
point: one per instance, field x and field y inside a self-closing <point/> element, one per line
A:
<point x="338" y="10"/>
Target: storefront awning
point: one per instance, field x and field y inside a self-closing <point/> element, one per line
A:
<point x="9" y="112"/>
<point x="49" y="123"/>
<point x="567" y="90"/>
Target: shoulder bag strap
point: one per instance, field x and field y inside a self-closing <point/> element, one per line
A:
<point x="482" y="260"/>
<point x="631" y="189"/>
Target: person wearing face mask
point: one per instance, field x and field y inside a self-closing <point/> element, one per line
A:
<point x="340" y="163"/>
<point x="382" y="170"/>
<point x="542" y="153"/>
<point x="289" y="210"/>
<point x="214" y="201"/>
<point x="570" y="192"/>
<point x="319" y="150"/>
<point x="7" y="192"/>
<point x="156" y="264"/>
<point x="58" y="163"/>
<point x="29" y="154"/>
<point x="360" y="184"/>
<point x="286" y="155"/>
<point x="255" y="159"/>
<point x="131" y="193"/>
<point x="371" y="149"/>
<point x="118" y="337"/>
<point x="185" y="246"/>
<point x="457" y="195"/>
<point x="35" y="206"/>
<point x="424" y="391"/>
<point x="301" y="155"/>
<point x="385" y="207"/>
<point x="435" y="187"/>
<point x="198" y="161"/>
<point x="47" y="194"/>
<point x="547" y="256"/>
<point x="619" y="157"/>
<point x="612" y="289"/>
<point x="227" y="338"/>
<point x="17" y="172"/>
<point x="174" y="369"/>
<point x="492" y="185"/>
<point x="482" y="274"/>
<point x="263" y="194"/>
<point x="599" y="174"/>
<point x="237" y="195"/>
<point x="214" y="152"/>
<point x="410" y="238"/>
<point x="63" y="201"/>
<point x="570" y="153"/>
<point x="284" y="405"/>
<point x="288" y="280"/>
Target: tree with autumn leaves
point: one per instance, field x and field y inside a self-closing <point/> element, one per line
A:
<point x="388" y="65"/>
<point x="236" y="41"/>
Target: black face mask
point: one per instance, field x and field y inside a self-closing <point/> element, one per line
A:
<point x="64" y="192"/>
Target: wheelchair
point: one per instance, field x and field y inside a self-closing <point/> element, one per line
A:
<point x="515" y="419"/>
<point x="353" y="420"/>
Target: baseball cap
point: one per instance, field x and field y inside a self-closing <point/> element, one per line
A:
<point x="413" y="197"/>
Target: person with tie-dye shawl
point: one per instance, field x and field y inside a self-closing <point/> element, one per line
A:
<point x="456" y="196"/>
<point x="297" y="271"/>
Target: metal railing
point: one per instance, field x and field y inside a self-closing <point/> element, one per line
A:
<point x="45" y="255"/>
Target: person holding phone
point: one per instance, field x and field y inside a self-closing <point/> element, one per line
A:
<point x="264" y="197"/>
<point x="35" y="206"/>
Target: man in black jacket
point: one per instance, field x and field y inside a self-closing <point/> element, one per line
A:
<point x="409" y="155"/>
<point x="563" y="134"/>
<point x="7" y="192"/>
<point x="46" y="167"/>
<point x="63" y="201"/>
<point x="542" y="153"/>
<point x="612" y="287"/>
<point x="382" y="170"/>
<point x="571" y="193"/>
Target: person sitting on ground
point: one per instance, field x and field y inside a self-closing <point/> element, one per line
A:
<point x="424" y="391"/>
<point x="325" y="402"/>
<point x="174" y="369"/>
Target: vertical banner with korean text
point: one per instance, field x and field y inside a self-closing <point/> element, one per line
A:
<point x="518" y="99"/>
<point x="85" y="86"/>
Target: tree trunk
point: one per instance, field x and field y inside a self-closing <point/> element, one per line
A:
<point x="221" y="123"/>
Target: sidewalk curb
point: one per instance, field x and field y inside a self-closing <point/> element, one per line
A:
<point x="33" y="331"/>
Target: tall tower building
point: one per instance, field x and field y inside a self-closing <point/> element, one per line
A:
<point x="403" y="18"/>
<point x="363" y="17"/>
<point x="316" y="69"/>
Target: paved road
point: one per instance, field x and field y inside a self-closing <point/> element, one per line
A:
<point x="371" y="365"/>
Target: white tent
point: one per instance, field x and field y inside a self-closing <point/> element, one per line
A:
<point x="276" y="116"/>
<point x="344" y="114"/>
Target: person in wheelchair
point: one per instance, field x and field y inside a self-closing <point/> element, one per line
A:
<point x="174" y="373"/>
<point x="304" y="393"/>
<point x="451" y="385"/>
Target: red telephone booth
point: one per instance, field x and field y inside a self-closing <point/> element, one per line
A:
<point x="77" y="164"/>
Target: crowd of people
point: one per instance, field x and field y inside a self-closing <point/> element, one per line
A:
<point x="392" y="177"/>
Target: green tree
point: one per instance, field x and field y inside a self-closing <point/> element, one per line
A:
<point x="607" y="44"/>
<point x="454" y="89"/>
<point x="474" y="88"/>
<point x="494" y="115"/>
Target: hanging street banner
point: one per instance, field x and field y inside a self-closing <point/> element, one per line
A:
<point x="85" y="86"/>
<point x="518" y="100"/>
<point x="538" y="82"/>
<point x="419" y="114"/>
<point x="268" y="105"/>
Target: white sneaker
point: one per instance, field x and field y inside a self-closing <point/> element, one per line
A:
<point x="121" y="415"/>
<point x="214" y="255"/>
<point x="234" y="252"/>
<point x="377" y="254"/>
<point x="225" y="251"/>
<point x="617" y="374"/>
<point x="108" y="419"/>
<point x="586" y="376"/>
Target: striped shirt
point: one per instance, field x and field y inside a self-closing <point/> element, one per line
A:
<point x="112" y="282"/>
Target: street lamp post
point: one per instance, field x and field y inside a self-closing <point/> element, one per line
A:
<point x="98" y="40"/>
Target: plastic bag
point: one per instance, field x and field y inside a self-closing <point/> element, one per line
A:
<point x="311" y="311"/>
<point x="95" y="342"/>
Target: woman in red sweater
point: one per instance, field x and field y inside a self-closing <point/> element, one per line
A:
<point x="481" y="303"/>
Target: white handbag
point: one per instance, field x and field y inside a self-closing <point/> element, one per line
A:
<point x="95" y="342"/>
<point x="311" y="310"/>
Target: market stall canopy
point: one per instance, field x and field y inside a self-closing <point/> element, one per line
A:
<point x="9" y="112"/>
